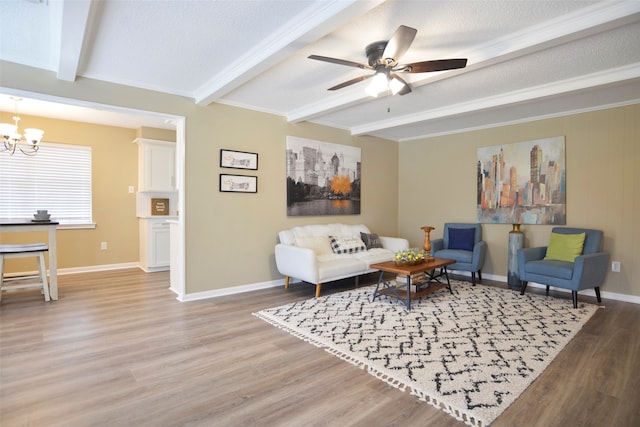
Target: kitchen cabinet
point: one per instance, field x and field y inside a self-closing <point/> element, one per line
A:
<point x="155" y="247"/>
<point x="156" y="165"/>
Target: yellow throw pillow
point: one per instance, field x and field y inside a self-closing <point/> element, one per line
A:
<point x="565" y="247"/>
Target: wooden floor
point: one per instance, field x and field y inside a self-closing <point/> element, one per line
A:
<point x="118" y="349"/>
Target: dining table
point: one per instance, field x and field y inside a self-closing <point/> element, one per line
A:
<point x="24" y="225"/>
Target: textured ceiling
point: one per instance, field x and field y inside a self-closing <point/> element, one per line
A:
<point x="526" y="59"/>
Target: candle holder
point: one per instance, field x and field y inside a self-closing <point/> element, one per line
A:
<point x="427" y="240"/>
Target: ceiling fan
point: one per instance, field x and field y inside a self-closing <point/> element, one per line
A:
<point x="384" y="57"/>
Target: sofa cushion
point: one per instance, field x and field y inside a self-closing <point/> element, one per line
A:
<point x="319" y="244"/>
<point x="371" y="240"/>
<point x="346" y="245"/>
<point x="461" y="238"/>
<point x="333" y="265"/>
<point x="565" y="247"/>
<point x="375" y="255"/>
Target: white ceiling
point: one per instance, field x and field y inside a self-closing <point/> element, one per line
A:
<point x="527" y="59"/>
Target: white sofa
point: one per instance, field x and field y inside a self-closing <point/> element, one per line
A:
<point x="308" y="253"/>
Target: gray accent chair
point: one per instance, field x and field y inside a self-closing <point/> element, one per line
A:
<point x="470" y="259"/>
<point x="587" y="271"/>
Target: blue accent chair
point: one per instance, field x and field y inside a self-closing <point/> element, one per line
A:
<point x="470" y="258"/>
<point x="587" y="271"/>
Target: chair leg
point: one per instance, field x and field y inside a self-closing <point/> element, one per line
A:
<point x="523" y="287"/>
<point x="42" y="269"/>
<point x="286" y="282"/>
<point x="318" y="288"/>
<point x="597" y="288"/>
<point x="479" y="276"/>
<point x="574" y="297"/>
<point x="473" y="278"/>
<point x="1" y="275"/>
<point x="547" y="292"/>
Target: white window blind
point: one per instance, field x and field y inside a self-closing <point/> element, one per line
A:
<point x="58" y="179"/>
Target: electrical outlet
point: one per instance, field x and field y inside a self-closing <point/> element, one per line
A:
<point x="131" y="189"/>
<point x="615" y="266"/>
<point x="103" y="246"/>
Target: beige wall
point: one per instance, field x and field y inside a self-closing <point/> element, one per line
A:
<point x="231" y="236"/>
<point x="114" y="169"/>
<point x="153" y="133"/>
<point x="603" y="186"/>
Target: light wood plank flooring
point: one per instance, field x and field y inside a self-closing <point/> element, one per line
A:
<point x="118" y="349"/>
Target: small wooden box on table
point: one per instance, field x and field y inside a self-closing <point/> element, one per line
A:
<point x="431" y="283"/>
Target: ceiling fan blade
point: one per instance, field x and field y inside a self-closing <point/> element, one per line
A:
<point x="407" y="87"/>
<point x="350" y="82"/>
<point x="340" y="62"/>
<point x="436" y="65"/>
<point x="399" y="43"/>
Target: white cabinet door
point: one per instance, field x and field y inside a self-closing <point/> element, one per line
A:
<point x="160" y="245"/>
<point x="157" y="164"/>
<point x="155" y="245"/>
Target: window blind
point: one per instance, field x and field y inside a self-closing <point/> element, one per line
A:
<point x="58" y="179"/>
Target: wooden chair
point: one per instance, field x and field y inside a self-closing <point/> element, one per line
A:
<point x="25" y="281"/>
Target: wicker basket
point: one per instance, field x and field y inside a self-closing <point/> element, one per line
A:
<point x="408" y="263"/>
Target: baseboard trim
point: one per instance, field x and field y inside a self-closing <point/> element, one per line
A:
<point x="231" y="291"/>
<point x="604" y="294"/>
<point x="95" y="268"/>
<point x="86" y="269"/>
<point x="275" y="283"/>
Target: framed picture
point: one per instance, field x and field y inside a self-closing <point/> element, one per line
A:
<point x="322" y="178"/>
<point x="238" y="183"/>
<point x="522" y="183"/>
<point x="159" y="206"/>
<point x="238" y="159"/>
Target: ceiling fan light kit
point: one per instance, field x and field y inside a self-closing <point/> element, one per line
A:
<point x="381" y="82"/>
<point x="383" y="58"/>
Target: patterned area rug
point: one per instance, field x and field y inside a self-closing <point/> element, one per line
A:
<point x="470" y="354"/>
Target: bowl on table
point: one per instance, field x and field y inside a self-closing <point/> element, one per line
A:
<point x="42" y="216"/>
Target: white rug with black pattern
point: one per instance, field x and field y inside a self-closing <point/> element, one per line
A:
<point x="470" y="354"/>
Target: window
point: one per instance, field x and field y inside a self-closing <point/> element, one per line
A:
<point x="58" y="179"/>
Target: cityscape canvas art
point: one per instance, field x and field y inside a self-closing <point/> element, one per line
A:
<point x="322" y="178"/>
<point x="522" y="183"/>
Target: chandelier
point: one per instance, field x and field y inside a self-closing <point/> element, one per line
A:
<point x="28" y="144"/>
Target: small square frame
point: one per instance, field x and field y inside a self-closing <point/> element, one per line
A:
<point x="159" y="207"/>
<point x="238" y="159"/>
<point x="238" y="183"/>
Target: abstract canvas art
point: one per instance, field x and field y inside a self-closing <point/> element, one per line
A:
<point x="522" y="183"/>
<point x="322" y="178"/>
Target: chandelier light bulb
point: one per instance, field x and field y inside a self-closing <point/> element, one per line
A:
<point x="33" y="136"/>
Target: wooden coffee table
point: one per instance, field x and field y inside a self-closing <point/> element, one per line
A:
<point x="428" y="285"/>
